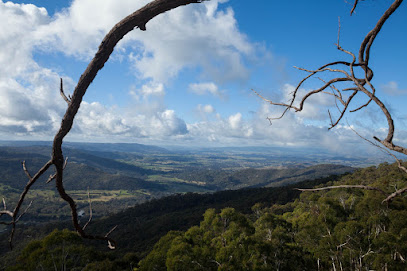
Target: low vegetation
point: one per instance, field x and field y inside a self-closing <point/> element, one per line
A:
<point x="338" y="229"/>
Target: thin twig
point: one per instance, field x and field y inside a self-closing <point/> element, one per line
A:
<point x="61" y="91"/>
<point x="354" y="7"/>
<point x="26" y="171"/>
<point x="26" y="209"/>
<point x="90" y="211"/>
<point x="342" y="186"/>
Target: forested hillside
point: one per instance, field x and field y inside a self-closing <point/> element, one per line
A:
<point x="118" y="180"/>
<point x="254" y="229"/>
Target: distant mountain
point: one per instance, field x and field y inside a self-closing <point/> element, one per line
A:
<point x="141" y="226"/>
<point x="83" y="170"/>
<point x="245" y="178"/>
<point x="96" y="159"/>
<point x="86" y="168"/>
<point x="99" y="147"/>
<point x="116" y="147"/>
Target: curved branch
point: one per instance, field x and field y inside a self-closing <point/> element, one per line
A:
<point x="395" y="194"/>
<point x="138" y="19"/>
<point x="343" y="110"/>
<point x="364" y="51"/>
<point x="15" y="217"/>
<point x="359" y="85"/>
<point x="61" y="91"/>
<point x="342" y="186"/>
<point x="354" y="7"/>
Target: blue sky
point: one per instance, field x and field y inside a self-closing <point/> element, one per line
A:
<point x="187" y="80"/>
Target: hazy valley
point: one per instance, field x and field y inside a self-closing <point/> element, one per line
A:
<point x="121" y="175"/>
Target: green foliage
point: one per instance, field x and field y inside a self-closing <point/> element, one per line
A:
<point x="228" y="241"/>
<point x="352" y="229"/>
<point x="66" y="250"/>
<point x="60" y="250"/>
<point x="342" y="229"/>
<point x="339" y="229"/>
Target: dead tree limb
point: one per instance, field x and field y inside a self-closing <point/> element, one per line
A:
<point x="343" y="186"/>
<point x="345" y="80"/>
<point x="138" y="19"/>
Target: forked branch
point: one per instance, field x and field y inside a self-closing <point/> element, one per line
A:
<point x="343" y="186"/>
<point x="137" y="19"/>
<point x="345" y="80"/>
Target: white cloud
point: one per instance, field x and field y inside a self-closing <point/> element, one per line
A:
<point x="94" y="118"/>
<point x="37" y="108"/>
<point x="198" y="35"/>
<point x="149" y="89"/>
<point x="97" y="121"/>
<point x="18" y="25"/>
<point x="392" y="88"/>
<point x="235" y="120"/>
<point x="193" y="36"/>
<point x="207" y="109"/>
<point x="205" y="88"/>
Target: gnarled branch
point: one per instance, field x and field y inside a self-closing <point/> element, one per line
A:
<point x="137" y="19"/>
<point x="343" y="186"/>
<point x="344" y="72"/>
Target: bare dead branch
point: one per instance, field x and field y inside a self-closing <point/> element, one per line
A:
<point x="90" y="211"/>
<point x="61" y="91"/>
<point x="137" y="19"/>
<point x="395" y="194"/>
<point x="15" y="213"/>
<point x="343" y="110"/>
<point x="26" y="171"/>
<point x="5" y="212"/>
<point x="370" y="99"/>
<point x="110" y="242"/>
<point x="339" y="29"/>
<point x="342" y="186"/>
<point x="354" y="7"/>
<point x="25" y="211"/>
<point x="28" y="186"/>
<point x="399" y="164"/>
<point x="357" y="85"/>
<point x="107" y="234"/>
<point x="364" y="51"/>
<point x="52" y="177"/>
<point x="273" y="103"/>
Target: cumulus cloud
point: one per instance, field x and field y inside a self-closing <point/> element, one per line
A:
<point x="205" y="88"/>
<point x="149" y="89"/>
<point x="193" y="36"/>
<point x="199" y="36"/>
<point x="392" y="88"/>
<point x="96" y="120"/>
<point x="207" y="109"/>
<point x="18" y="29"/>
<point x="235" y="120"/>
<point x="31" y="105"/>
<point x="196" y="36"/>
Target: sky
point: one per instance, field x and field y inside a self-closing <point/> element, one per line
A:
<point x="189" y="79"/>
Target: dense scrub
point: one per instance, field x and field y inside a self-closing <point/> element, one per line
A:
<point x="338" y="229"/>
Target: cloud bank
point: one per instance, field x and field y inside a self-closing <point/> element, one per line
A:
<point x="203" y="37"/>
